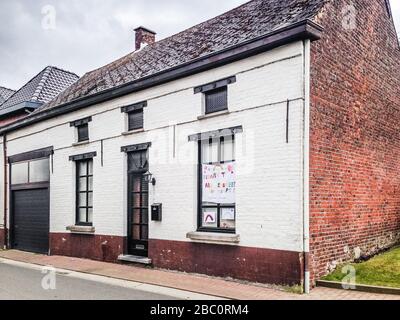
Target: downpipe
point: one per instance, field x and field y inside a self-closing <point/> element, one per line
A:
<point x="5" y="184"/>
<point x="306" y="166"/>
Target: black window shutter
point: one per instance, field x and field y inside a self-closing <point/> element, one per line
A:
<point x="217" y="100"/>
<point x="136" y="120"/>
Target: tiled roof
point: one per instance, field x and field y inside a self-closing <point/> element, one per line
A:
<point x="251" y="20"/>
<point x="5" y="93"/>
<point x="42" y="88"/>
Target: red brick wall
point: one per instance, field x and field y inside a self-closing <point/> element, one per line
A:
<point x="251" y="264"/>
<point x="355" y="136"/>
<point x="2" y="240"/>
<point x="96" y="247"/>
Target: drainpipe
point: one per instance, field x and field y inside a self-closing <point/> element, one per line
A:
<point x="5" y="191"/>
<point x="306" y="166"/>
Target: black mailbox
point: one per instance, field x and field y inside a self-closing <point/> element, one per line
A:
<point x="156" y="212"/>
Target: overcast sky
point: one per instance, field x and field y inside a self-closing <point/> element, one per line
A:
<point x="86" y="34"/>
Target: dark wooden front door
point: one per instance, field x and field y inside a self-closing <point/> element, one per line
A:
<point x="138" y="205"/>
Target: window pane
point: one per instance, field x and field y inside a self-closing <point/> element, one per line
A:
<point x="82" y="215"/>
<point x="19" y="173"/>
<point x="136" y="200"/>
<point x="136" y="232"/>
<point x="145" y="233"/>
<point x="136" y="216"/>
<point x="217" y="100"/>
<point x="39" y="171"/>
<point x="83" y="133"/>
<point x="90" y="183"/>
<point x="82" y="184"/>
<point x="228" y="150"/>
<point x="82" y="168"/>
<point x="82" y="199"/>
<point x="90" y="165"/>
<point x="228" y="218"/>
<point x="90" y="215"/>
<point x="145" y="216"/>
<point x="135" y="120"/>
<point x="90" y="199"/>
<point x="210" y="151"/>
<point x="209" y="217"/>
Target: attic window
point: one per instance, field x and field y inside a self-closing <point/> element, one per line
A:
<point x="82" y="128"/>
<point x="135" y="115"/>
<point x="216" y="94"/>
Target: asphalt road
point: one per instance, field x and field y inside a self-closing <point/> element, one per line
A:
<point x="26" y="283"/>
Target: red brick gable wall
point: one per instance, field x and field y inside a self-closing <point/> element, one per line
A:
<point x="355" y="135"/>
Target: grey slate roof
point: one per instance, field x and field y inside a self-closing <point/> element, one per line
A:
<point x="251" y="20"/>
<point x="5" y="93"/>
<point x="44" y="87"/>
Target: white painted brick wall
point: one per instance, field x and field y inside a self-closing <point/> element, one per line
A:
<point x="269" y="193"/>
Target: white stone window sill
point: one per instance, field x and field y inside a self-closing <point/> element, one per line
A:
<point x="78" y="144"/>
<point x="81" y="230"/>
<point x="214" y="238"/>
<point x="213" y="115"/>
<point x="127" y="133"/>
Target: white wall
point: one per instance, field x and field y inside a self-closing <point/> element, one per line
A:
<point x="269" y="186"/>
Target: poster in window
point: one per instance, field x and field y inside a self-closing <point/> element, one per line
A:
<point x="227" y="213"/>
<point x="219" y="183"/>
<point x="210" y="217"/>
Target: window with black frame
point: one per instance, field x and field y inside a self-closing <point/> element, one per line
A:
<point x="82" y="129"/>
<point x="217" y="176"/>
<point x="216" y="100"/>
<point x="135" y="120"/>
<point x="83" y="133"/>
<point x="84" y="174"/>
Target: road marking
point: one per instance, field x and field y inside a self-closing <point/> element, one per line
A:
<point x="149" y="288"/>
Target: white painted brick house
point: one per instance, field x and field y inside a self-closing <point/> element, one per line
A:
<point x="83" y="174"/>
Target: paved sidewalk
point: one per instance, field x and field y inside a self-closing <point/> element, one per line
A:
<point x="187" y="282"/>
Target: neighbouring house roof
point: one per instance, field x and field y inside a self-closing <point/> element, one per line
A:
<point x="5" y="93"/>
<point x="244" y="31"/>
<point x="44" y="87"/>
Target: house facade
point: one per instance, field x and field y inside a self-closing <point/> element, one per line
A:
<point x="213" y="159"/>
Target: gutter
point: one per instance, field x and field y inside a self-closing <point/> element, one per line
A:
<point x="300" y="31"/>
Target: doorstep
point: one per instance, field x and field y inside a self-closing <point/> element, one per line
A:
<point x="134" y="259"/>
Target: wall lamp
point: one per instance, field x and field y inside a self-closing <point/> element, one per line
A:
<point x="148" y="177"/>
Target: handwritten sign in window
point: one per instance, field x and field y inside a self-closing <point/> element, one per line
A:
<point x="219" y="183"/>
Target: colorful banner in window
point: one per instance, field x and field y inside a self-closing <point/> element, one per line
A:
<point x="219" y="183"/>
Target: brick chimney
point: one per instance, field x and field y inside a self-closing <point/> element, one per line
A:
<point x="144" y="37"/>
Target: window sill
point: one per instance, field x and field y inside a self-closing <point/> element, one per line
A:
<point x="213" y="115"/>
<point x="77" y="144"/>
<point x="81" y="230"/>
<point x="128" y="133"/>
<point x="214" y="238"/>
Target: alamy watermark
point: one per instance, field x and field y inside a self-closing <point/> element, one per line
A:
<point x="349" y="281"/>
<point x="49" y="280"/>
<point x="49" y="19"/>
<point x="349" y="17"/>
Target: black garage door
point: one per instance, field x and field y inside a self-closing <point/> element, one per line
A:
<point x="31" y="220"/>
